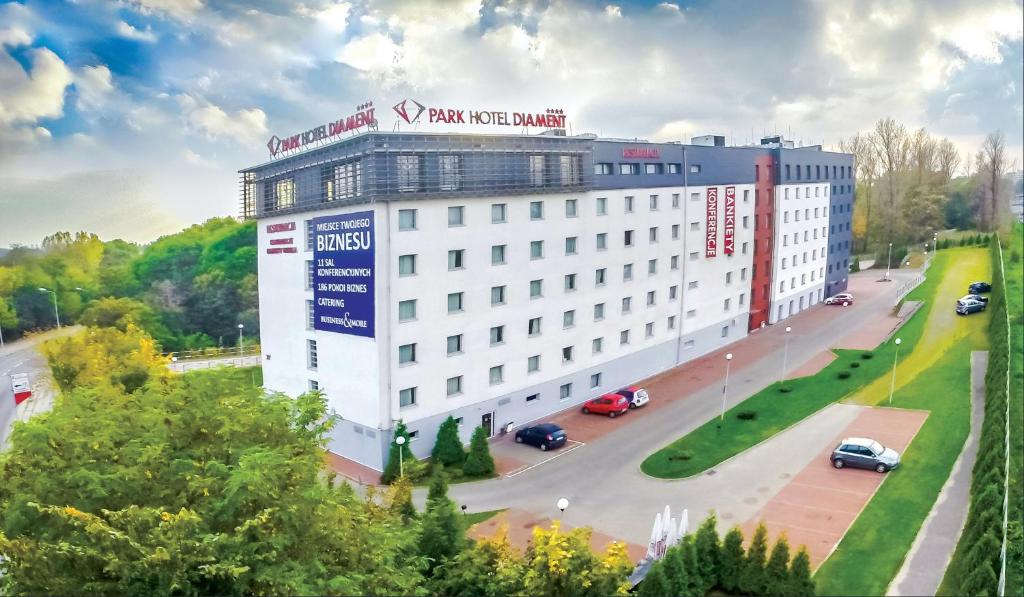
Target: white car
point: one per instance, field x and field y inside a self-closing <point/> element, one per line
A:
<point x="844" y="298"/>
<point x="637" y="396"/>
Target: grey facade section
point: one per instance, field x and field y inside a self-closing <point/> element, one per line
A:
<point x="370" y="446"/>
<point x="814" y="166"/>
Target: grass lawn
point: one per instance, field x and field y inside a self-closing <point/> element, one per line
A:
<point x="1015" y="307"/>
<point x="478" y="517"/>
<point x="709" y="445"/>
<point x="936" y="378"/>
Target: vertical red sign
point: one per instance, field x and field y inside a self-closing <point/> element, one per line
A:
<point x="711" y="242"/>
<point x="729" y="223"/>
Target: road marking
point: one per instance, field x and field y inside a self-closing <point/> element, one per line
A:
<point x="18" y="364"/>
<point x="562" y="453"/>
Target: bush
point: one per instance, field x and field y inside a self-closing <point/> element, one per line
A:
<point x="396" y="462"/>
<point x="479" y="462"/>
<point x="854" y="365"/>
<point x="855" y="266"/>
<point x="785" y="389"/>
<point x="843" y="375"/>
<point x="867" y="356"/>
<point x="683" y="455"/>
<point x="448" y="447"/>
<point x="746" y="415"/>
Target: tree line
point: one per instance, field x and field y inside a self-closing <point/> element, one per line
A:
<point x="908" y="186"/>
<point x="187" y="290"/>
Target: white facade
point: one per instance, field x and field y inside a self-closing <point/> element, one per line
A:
<point x="801" y="242"/>
<point x="607" y="316"/>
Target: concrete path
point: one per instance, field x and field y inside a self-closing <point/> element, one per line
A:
<point x="926" y="562"/>
<point x="252" y="360"/>
<point x="22" y="356"/>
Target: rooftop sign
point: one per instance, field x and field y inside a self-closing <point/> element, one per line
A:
<point x="362" y="117"/>
<point x="641" y="152"/>
<point x="411" y="111"/>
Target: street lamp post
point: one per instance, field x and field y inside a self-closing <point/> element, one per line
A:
<point x="888" y="262"/>
<point x="400" y="440"/>
<point x="725" y="386"/>
<point x="785" y="357"/>
<point x="892" y="383"/>
<point x="240" y="327"/>
<point x="56" y="313"/>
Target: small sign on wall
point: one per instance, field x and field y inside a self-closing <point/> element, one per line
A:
<point x="729" y="221"/>
<point x="711" y="240"/>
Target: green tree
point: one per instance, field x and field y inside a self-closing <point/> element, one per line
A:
<point x="753" y="579"/>
<point x="656" y="583"/>
<point x="708" y="553"/>
<point x="398" y="456"/>
<point x="487" y="568"/>
<point x="448" y="448"/>
<point x="561" y="563"/>
<point x="855" y="266"/>
<point x="105" y="358"/>
<point x="479" y="462"/>
<point x="777" y="571"/>
<point x="732" y="560"/>
<point x="980" y="581"/>
<point x="441" y="533"/>
<point x="675" y="572"/>
<point x="800" y="582"/>
<point x="694" y="573"/>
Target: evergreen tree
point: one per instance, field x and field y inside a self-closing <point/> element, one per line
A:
<point x="395" y="464"/>
<point x="656" y="583"/>
<point x="980" y="581"/>
<point x="694" y="574"/>
<point x="479" y="462"/>
<point x="777" y="571"/>
<point x="708" y="553"/>
<point x="963" y="240"/>
<point x="731" y="561"/>
<point x="752" y="579"/>
<point x="441" y="533"/>
<point x="800" y="582"/>
<point x="675" y="571"/>
<point x="438" y="488"/>
<point x="399" y="499"/>
<point x="448" y="447"/>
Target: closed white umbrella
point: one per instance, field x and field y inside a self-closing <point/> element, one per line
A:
<point x="673" y="534"/>
<point x="684" y="526"/>
<point x="652" y="547"/>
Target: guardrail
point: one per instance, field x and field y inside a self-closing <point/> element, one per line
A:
<point x="907" y="287"/>
<point x="225" y="352"/>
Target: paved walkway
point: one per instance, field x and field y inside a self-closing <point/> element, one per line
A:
<point x="932" y="549"/>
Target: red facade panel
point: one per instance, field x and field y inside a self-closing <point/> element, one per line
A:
<point x="764" y="242"/>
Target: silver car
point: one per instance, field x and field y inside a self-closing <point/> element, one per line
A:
<point x="861" y="452"/>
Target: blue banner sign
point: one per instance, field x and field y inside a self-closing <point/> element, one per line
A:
<point x="343" y="262"/>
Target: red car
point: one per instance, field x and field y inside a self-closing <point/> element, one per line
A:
<point x="609" y="404"/>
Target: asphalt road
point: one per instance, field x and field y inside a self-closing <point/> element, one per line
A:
<point x="22" y="356"/>
<point x="603" y="482"/>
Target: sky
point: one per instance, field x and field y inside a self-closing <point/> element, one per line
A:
<point x="131" y="118"/>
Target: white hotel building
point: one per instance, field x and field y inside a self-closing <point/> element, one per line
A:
<point x="503" y="278"/>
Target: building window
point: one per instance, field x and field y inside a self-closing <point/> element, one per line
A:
<point x="407" y="397"/>
<point x="456" y="259"/>
<point x="533" y="327"/>
<point x="673" y="292"/>
<point x="694" y="196"/>
<point x="627" y="272"/>
<point x="595" y="380"/>
<point x="308" y="224"/>
<point x="675" y="168"/>
<point x="602" y="206"/>
<point x="649" y="330"/>
<point x="406" y="354"/>
<point x="570" y="282"/>
<point x="497" y="254"/>
<point x="536" y="249"/>
<point x="570" y="208"/>
<point x="406" y="265"/>
<point x="650" y="298"/>
<point x="728" y="277"/>
<point x="746" y="195"/>
<point x="692" y="285"/>
<point x="597" y="345"/>
<point x="537" y="170"/>
<point x="653" y="169"/>
<point x="451" y="172"/>
<point x="407" y="219"/>
<point x="567" y="354"/>
<point x="533" y="364"/>
<point x="627" y="304"/>
<point x="407" y="310"/>
<point x="675" y="231"/>
<point x="694" y="256"/>
<point x="569" y="319"/>
<point x="311" y="360"/>
<point x="743" y="273"/>
<point x="497" y="295"/>
<point x="602" y="241"/>
<point x="497" y="374"/>
<point x="652" y="234"/>
<point x="569" y="168"/>
<point x="455" y="302"/>
<point x="408" y="173"/>
<point x="310" y="317"/>
<point x="694" y="226"/>
<point x="599" y="312"/>
<point x="499" y="213"/>
<point x="599" y="277"/>
<point x="284" y="194"/>
<point x="309" y="274"/>
<point x="726" y="304"/>
<point x="314" y="385"/>
<point x="536" y="210"/>
<point x="652" y="267"/>
<point x="627" y="238"/>
<point x="695" y="168"/>
<point x="603" y="168"/>
<point x="744" y="248"/>
<point x="497" y="335"/>
<point x="742" y="299"/>
<point x="623" y="337"/>
<point x="455" y="344"/>
<point x="746" y="221"/>
<point x="532" y="398"/>
<point x="536" y="288"/>
<point x="454" y="386"/>
<point x="629" y="168"/>
<point x="725" y="331"/>
<point x="691" y="314"/>
<point x="570" y="245"/>
<point x="672" y="322"/>
<point x="565" y="391"/>
<point x="628" y="204"/>
<point x="654" y="202"/>
<point x="456" y="216"/>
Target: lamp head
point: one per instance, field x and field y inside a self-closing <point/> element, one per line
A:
<point x="898" y="341"/>
<point x="562" y="504"/>
<point x="788" y="329"/>
<point x="728" y="356"/>
<point x="400" y="440"/>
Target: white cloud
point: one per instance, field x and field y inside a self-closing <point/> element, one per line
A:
<point x="182" y="10"/>
<point x="94" y="85"/>
<point x="14" y="37"/>
<point x="127" y="31"/>
<point x="335" y="16"/>
<point x="29" y="95"/>
<point x="244" y="126"/>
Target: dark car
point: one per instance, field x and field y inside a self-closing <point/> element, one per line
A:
<point x="979" y="287"/>
<point x="968" y="306"/>
<point x="545" y="436"/>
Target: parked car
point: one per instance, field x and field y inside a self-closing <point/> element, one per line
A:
<point x="979" y="287"/>
<point x="973" y="297"/>
<point x="609" y="404"/>
<point x="545" y="436"/>
<point x="843" y="298"/>
<point x="861" y="452"/>
<point x="966" y="307"/>
<point x="637" y="396"/>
